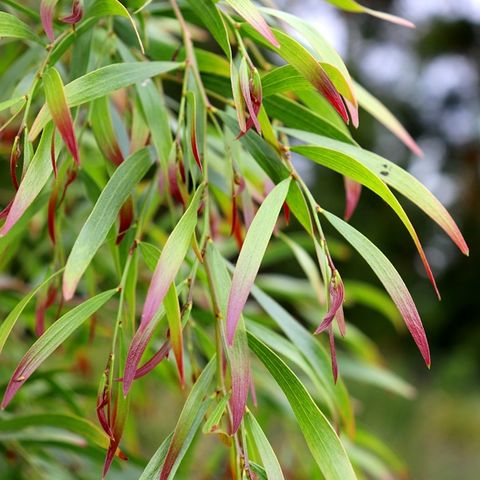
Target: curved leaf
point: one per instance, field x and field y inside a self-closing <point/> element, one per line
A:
<point x="207" y="12"/>
<point x="72" y="423"/>
<point x="51" y="340"/>
<point x="320" y="436"/>
<point x="101" y="82"/>
<point x="397" y="178"/>
<point x="390" y="278"/>
<point x="37" y="175"/>
<point x="188" y="422"/>
<point x="58" y="107"/>
<point x="253" y="250"/>
<point x="170" y="261"/>
<point x="103" y="216"/>
<point x="8" y="324"/>
<point x="12" y="27"/>
<point x="247" y="10"/>
<point x="355" y="7"/>
<point x="269" y="459"/>
<point x="355" y="170"/>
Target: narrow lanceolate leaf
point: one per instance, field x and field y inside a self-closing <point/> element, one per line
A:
<point x="156" y="116"/>
<point x="306" y="64"/>
<point x="169" y="263"/>
<point x="103" y="216"/>
<point x="247" y="10"/>
<point x="172" y="310"/>
<point x="104" y="8"/>
<point x="323" y="442"/>
<point x="12" y="27"/>
<point x="355" y="7"/>
<point x="237" y="94"/>
<point x="171" y="258"/>
<point x="7" y="325"/>
<point x="269" y="459"/>
<point x="208" y="13"/>
<point x="51" y="340"/>
<point x="72" y="423"/>
<point x="330" y="59"/>
<point x="58" y="107"/>
<point x="335" y="396"/>
<point x="253" y="250"/>
<point x="152" y="470"/>
<point x="354" y="169"/>
<point x="101" y="82"/>
<point x="12" y="102"/>
<point x="238" y="354"/>
<point x="102" y="127"/>
<point x="192" y="127"/>
<point x="136" y="350"/>
<point x="38" y="173"/>
<point x="379" y="111"/>
<point x="47" y="9"/>
<point x="191" y="415"/>
<point x="397" y="178"/>
<point x="353" y="191"/>
<point x="390" y="278"/>
<point x="252" y="102"/>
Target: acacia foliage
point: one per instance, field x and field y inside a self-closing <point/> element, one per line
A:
<point x="152" y="149"/>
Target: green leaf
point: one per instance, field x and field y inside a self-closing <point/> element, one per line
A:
<point x="352" y="168"/>
<point x="8" y="324"/>
<point x="12" y="102"/>
<point x="152" y="470"/>
<point x="101" y="82"/>
<point x="58" y="107"/>
<point x="306" y="64"/>
<point x="355" y="7"/>
<point x="172" y="310"/>
<point x="320" y="436"/>
<point x="156" y="116"/>
<point x="330" y="59"/>
<point x="216" y="416"/>
<point x="207" y="12"/>
<point x="103" y="131"/>
<point x="295" y="115"/>
<point x="390" y="279"/>
<point x="247" y="10"/>
<point x="270" y="161"/>
<point x="170" y="261"/>
<point x="151" y="254"/>
<point x="51" y="340"/>
<point x="269" y="459"/>
<point x="103" y="216"/>
<point x="238" y="354"/>
<point x="397" y="178"/>
<point x="172" y="257"/>
<point x="37" y="175"/>
<point x="71" y="423"/>
<point x="12" y="27"/>
<point x="105" y="8"/>
<point x="335" y="396"/>
<point x="253" y="250"/>
<point x="190" y="418"/>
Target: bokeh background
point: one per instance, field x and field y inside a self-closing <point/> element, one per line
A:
<point x="430" y="78"/>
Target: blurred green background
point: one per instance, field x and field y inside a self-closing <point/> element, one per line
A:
<point x="429" y="77"/>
